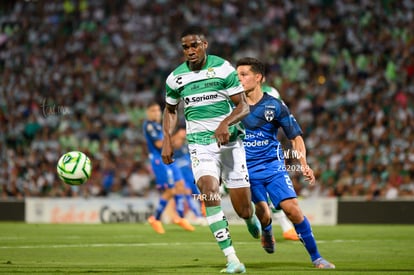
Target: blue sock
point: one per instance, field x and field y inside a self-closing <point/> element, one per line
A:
<point x="268" y="227"/>
<point x="179" y="204"/>
<point x="161" y="206"/>
<point x="193" y="205"/>
<point x="305" y="234"/>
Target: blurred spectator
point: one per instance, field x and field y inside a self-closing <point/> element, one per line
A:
<point x="139" y="181"/>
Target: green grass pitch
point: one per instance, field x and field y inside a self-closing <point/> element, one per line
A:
<point x="136" y="249"/>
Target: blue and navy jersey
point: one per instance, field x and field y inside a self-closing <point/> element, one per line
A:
<point x="182" y="157"/>
<point x="183" y="161"/>
<point x="262" y="125"/>
<point x="153" y="133"/>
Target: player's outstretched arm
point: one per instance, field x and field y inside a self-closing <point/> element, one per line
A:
<point x="170" y="120"/>
<point x="239" y="112"/>
<point x="299" y="146"/>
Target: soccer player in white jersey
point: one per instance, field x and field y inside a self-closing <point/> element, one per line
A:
<point x="265" y="160"/>
<point x="209" y="87"/>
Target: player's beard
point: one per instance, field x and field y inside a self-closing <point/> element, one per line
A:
<point x="197" y="65"/>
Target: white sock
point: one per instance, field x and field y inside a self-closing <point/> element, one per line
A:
<point x="232" y="258"/>
<point x="283" y="220"/>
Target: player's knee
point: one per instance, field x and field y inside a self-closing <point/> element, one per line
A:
<point x="294" y="214"/>
<point x="292" y="210"/>
<point x="208" y="185"/>
<point x="245" y="212"/>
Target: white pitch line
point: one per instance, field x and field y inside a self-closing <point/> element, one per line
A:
<point x="138" y="244"/>
<point x="96" y="245"/>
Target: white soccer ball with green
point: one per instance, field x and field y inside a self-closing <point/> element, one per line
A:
<point x="74" y="168"/>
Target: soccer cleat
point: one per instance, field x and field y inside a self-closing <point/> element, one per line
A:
<point x="156" y="225"/>
<point x="184" y="224"/>
<point x="268" y="241"/>
<point x="291" y="235"/>
<point x="323" y="264"/>
<point x="255" y="227"/>
<point x="232" y="268"/>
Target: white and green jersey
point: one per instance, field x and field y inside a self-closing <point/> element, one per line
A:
<point x="206" y="96"/>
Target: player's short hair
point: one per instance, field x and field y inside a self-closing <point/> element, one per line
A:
<point x="194" y="30"/>
<point x="152" y="103"/>
<point x="255" y="64"/>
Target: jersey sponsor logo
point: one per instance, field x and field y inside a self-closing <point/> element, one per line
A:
<point x="269" y="113"/>
<point x="202" y="98"/>
<point x="253" y="136"/>
<point x="212" y="84"/>
<point x="256" y="143"/>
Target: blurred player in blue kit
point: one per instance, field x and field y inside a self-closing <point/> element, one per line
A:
<point x="265" y="159"/>
<point x="183" y="161"/>
<point x="169" y="179"/>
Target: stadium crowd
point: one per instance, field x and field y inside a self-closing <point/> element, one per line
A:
<point x="76" y="75"/>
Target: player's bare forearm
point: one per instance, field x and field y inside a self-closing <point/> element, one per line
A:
<point x="239" y="112"/>
<point x="242" y="109"/>
<point x="170" y="120"/>
<point x="298" y="145"/>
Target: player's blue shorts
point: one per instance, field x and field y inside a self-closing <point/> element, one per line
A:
<point x="183" y="161"/>
<point x="276" y="183"/>
<point x="165" y="175"/>
<point x="189" y="179"/>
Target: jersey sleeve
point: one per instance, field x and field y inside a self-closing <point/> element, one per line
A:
<point x="153" y="133"/>
<point x="172" y="95"/>
<point x="287" y="121"/>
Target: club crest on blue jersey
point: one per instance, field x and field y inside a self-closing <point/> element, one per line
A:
<point x="269" y="113"/>
<point x="210" y="73"/>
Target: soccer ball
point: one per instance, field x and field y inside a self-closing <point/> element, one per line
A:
<point x="74" y="168"/>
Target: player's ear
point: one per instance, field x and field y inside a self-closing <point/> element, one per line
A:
<point x="259" y="78"/>
<point x="205" y="45"/>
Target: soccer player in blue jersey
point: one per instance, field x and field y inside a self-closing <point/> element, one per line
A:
<point x="288" y="229"/>
<point x="209" y="88"/>
<point x="168" y="178"/>
<point x="183" y="161"/>
<point x="265" y="160"/>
